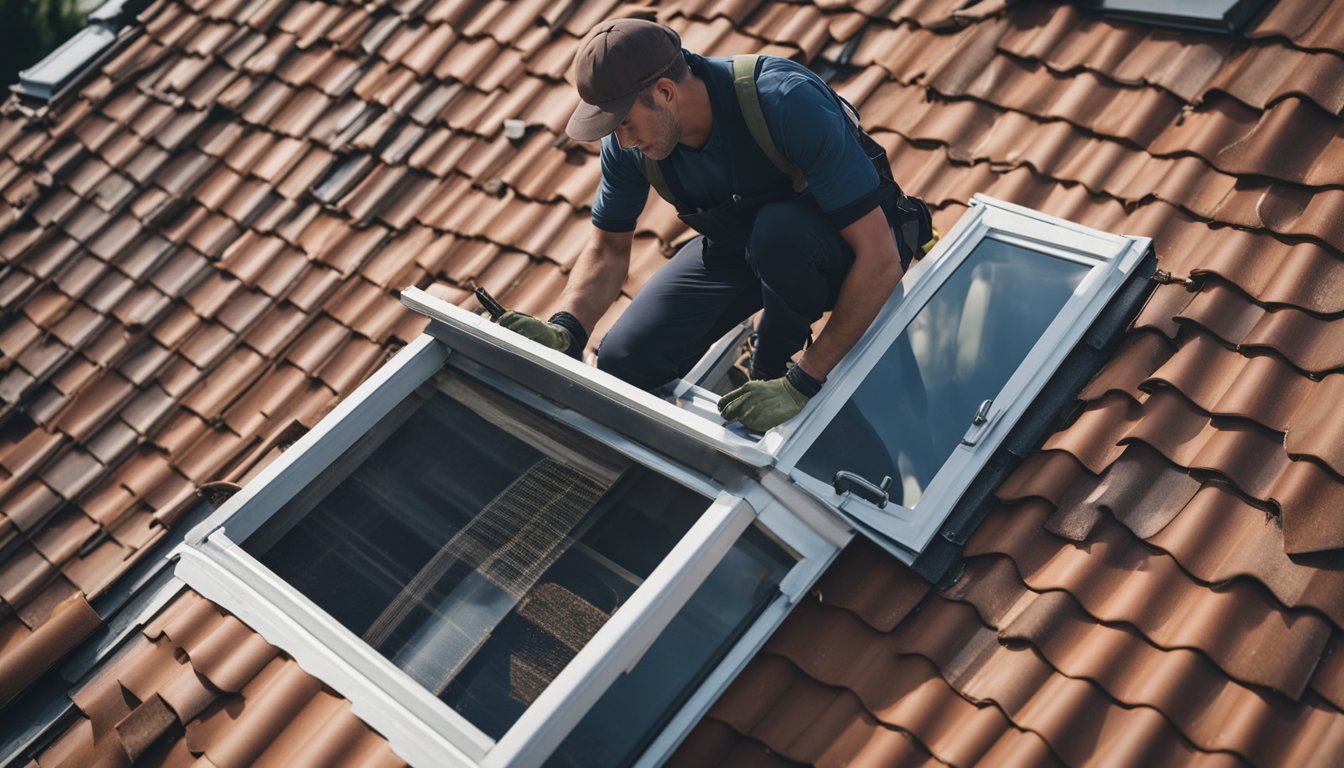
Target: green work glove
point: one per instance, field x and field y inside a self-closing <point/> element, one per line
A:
<point x="540" y="331"/>
<point x="761" y="405"/>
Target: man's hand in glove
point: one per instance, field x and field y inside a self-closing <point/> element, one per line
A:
<point x="562" y="331"/>
<point x="761" y="405"/>
<point x="540" y="331"/>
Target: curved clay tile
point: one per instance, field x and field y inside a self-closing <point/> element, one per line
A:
<point x="1218" y="537"/>
<point x="1306" y="23"/>
<point x="1140" y="489"/>
<point x="1310" y="342"/>
<point x="1141" y="353"/>
<point x="1225" y="382"/>
<point x="1116" y="579"/>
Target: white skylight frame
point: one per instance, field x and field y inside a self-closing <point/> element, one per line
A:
<point x="421" y="728"/>
<point x="903" y="531"/>
<point x="745" y="477"/>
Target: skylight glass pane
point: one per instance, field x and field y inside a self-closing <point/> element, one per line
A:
<point x="478" y="546"/>
<point x="633" y="711"/>
<point x="917" y="403"/>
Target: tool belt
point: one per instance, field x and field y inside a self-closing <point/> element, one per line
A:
<point x="908" y="217"/>
<point x="729" y="223"/>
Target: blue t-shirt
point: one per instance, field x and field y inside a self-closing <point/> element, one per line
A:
<point x="808" y="127"/>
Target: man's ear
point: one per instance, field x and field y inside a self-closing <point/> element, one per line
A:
<point x="664" y="91"/>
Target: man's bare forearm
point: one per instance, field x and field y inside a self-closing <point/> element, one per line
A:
<point x="876" y="271"/>
<point x="597" y="277"/>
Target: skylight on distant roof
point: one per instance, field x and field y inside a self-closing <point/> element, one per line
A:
<point x="1221" y="16"/>
<point x="49" y="76"/>
<point x="63" y="66"/>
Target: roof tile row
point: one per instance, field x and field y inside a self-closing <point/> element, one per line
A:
<point x="211" y="232"/>
<point x="200" y="688"/>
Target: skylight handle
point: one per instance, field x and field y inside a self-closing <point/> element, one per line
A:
<point x="979" y="424"/>
<point x="851" y="482"/>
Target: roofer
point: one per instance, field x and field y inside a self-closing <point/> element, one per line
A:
<point x="760" y="157"/>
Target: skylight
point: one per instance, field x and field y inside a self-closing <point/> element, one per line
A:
<point x="919" y="407"/>
<point x="1220" y="16"/>
<point x="503" y="556"/>
<point x="495" y="578"/>
<point x="62" y="67"/>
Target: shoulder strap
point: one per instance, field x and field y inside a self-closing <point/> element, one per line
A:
<point x="655" y="176"/>
<point x="744" y="83"/>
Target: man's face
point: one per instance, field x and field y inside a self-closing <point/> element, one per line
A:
<point x="655" y="130"/>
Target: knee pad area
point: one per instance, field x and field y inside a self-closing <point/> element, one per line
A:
<point x="633" y="363"/>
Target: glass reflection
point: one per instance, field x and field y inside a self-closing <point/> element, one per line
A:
<point x="917" y="403"/>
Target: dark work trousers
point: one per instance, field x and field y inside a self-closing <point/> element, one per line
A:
<point x="792" y="268"/>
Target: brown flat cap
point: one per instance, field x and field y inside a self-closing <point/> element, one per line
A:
<point x="617" y="60"/>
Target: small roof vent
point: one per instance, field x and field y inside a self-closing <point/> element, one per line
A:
<point x="47" y="78"/>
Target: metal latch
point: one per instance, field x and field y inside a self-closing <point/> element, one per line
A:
<point x="978" y="423"/>
<point x="850" y="482"/>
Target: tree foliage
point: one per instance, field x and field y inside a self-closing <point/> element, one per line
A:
<point x="30" y="29"/>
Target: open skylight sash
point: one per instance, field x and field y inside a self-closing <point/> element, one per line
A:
<point x="629" y="408"/>
<point x="1108" y="259"/>
<point x="420" y="725"/>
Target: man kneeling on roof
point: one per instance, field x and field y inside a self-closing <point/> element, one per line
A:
<point x="794" y="204"/>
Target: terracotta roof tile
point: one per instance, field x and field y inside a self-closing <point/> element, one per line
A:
<point x="72" y="620"/>
<point x="181" y="433"/>
<point x="1228" y="626"/>
<point x="1154" y="678"/>
<point x="73" y="472"/>
<point x="316" y="344"/>
<point x="206" y="346"/>
<point x="215" y="391"/>
<point x="106" y="503"/>
<point x="42" y="608"/>
<point x="30" y="507"/>
<point x="1215" y="410"/>
<point x="1306" y="24"/>
<point x="806" y="721"/>
<point x="1258" y="552"/>
<point x="715" y="743"/>
<point x="112" y="442"/>
<point x="803" y="27"/>
<point x="1066" y="40"/>
<point x="178" y="376"/>
<point x="355" y="360"/>
<point x="95" y="404"/>
<point x="265" y="710"/>
<point x="1302" y="339"/>
<point x="211" y="456"/>
<point x="1094" y="437"/>
<point x="1225" y="383"/>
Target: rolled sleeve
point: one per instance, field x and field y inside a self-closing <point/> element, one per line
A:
<point x="623" y="191"/>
